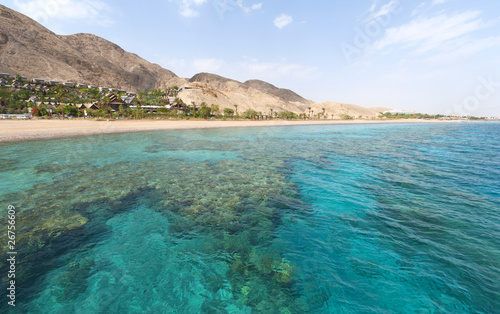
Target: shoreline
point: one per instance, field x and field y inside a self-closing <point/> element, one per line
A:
<point x="28" y="130"/>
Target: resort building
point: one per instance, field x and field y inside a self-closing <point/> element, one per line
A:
<point x="15" y="116"/>
<point x="189" y="86"/>
<point x="88" y="106"/>
<point x="38" y="81"/>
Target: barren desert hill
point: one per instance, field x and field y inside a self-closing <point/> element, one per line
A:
<point x="226" y="93"/>
<point x="282" y="93"/>
<point x="338" y="110"/>
<point x="29" y="49"/>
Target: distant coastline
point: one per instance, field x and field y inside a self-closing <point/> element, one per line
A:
<point x="26" y="130"/>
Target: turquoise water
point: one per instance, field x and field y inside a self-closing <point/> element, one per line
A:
<point x="314" y="219"/>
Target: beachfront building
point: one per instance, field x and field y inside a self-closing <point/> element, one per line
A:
<point x="189" y="86"/>
<point x="38" y="81"/>
<point x="129" y="100"/>
<point x="115" y="104"/>
<point x="16" y="116"/>
<point x="179" y="107"/>
<point x="5" y="76"/>
<point x="150" y="108"/>
<point x="92" y="106"/>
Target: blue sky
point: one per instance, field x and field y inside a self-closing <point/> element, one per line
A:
<point x="434" y="56"/>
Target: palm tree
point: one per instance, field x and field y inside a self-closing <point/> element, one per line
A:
<point x="194" y="109"/>
<point x="236" y="107"/>
<point x="59" y="96"/>
<point x="204" y="110"/>
<point x="312" y="113"/>
<point x="106" y="100"/>
<point x="323" y="113"/>
<point x="309" y="111"/>
<point x="215" y="109"/>
<point x="271" y="113"/>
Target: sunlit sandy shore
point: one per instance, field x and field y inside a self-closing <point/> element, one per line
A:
<point x="22" y="130"/>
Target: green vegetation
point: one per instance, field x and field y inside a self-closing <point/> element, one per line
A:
<point x="63" y="101"/>
<point x="389" y="115"/>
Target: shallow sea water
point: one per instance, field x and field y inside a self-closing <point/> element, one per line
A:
<point x="379" y="218"/>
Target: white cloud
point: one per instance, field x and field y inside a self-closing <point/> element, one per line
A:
<point x="93" y="11"/>
<point x="283" y="20"/>
<point x="427" y="35"/>
<point x="256" y="6"/>
<point x="253" y="7"/>
<point x="426" y="6"/>
<point x="441" y="39"/>
<point x="419" y="8"/>
<point x="187" y="8"/>
<point x="383" y="10"/>
<point x="462" y="48"/>
<point x="207" y="65"/>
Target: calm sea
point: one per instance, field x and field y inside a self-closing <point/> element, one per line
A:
<point x="386" y="218"/>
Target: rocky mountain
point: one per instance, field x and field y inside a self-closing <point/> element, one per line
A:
<point x="29" y="49"/>
<point x="224" y="92"/>
<point x="283" y="94"/>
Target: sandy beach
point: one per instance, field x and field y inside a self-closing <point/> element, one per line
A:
<point x="23" y="130"/>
